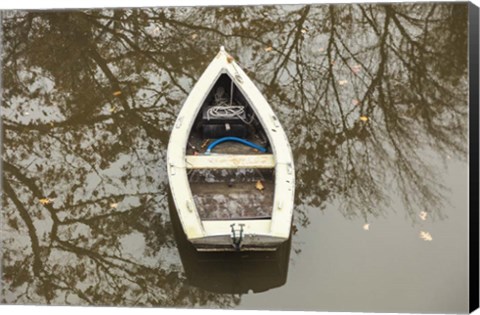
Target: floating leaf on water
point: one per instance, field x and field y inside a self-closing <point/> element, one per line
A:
<point x="426" y="236"/>
<point x="366" y="226"/>
<point x="113" y="109"/>
<point x="342" y="82"/>
<point x="194" y="36"/>
<point x="423" y="215"/>
<point x="114" y="205"/>
<point x="46" y="201"/>
<point x="304" y="30"/>
<point x="155" y="31"/>
<point x="356" y="68"/>
<point x="259" y="185"/>
<point x="355" y="102"/>
<point x="294" y="229"/>
<point x="363" y="118"/>
<point x="269" y="48"/>
<point x="321" y="49"/>
<point x="117" y="93"/>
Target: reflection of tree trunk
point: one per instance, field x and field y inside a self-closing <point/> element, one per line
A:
<point x="37" y="193"/>
<point x="37" y="262"/>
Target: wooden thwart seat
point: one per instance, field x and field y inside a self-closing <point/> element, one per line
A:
<point x="230" y="161"/>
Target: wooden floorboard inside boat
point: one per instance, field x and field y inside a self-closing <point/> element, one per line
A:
<point x="222" y="201"/>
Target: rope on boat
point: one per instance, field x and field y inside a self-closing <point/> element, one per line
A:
<point x="223" y="108"/>
<point x="243" y="141"/>
<point x="228" y="112"/>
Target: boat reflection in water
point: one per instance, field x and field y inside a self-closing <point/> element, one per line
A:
<point x="231" y="272"/>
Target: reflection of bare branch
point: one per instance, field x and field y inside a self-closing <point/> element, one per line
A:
<point x="410" y="102"/>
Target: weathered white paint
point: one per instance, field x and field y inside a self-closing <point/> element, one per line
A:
<point x="230" y="161"/>
<point x="278" y="228"/>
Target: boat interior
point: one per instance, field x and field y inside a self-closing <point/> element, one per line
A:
<point x="229" y="158"/>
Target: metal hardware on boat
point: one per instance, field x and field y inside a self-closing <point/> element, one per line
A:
<point x="239" y="78"/>
<point x="289" y="168"/>
<point x="280" y="205"/>
<point x="275" y="122"/>
<point x="189" y="205"/>
<point x="179" y="122"/>
<point x="237" y="241"/>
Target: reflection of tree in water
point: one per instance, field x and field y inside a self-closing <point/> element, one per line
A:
<point x="364" y="92"/>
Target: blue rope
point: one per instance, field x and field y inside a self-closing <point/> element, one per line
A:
<point x="243" y="141"/>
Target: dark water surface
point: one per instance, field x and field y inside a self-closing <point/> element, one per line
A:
<point x="372" y="97"/>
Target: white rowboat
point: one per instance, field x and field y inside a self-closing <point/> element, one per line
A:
<point x="237" y="193"/>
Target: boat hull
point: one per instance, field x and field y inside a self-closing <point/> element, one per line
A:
<point x="236" y="233"/>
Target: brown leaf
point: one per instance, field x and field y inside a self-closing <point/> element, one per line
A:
<point x="364" y="118"/>
<point x="259" y="185"/>
<point x="355" y="102"/>
<point x="117" y="93"/>
<point x="230" y="59"/>
<point x="269" y="48"/>
<point x="114" y="205"/>
<point x="194" y="36"/>
<point x="205" y="143"/>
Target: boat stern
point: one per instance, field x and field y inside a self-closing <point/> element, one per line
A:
<point x="238" y="235"/>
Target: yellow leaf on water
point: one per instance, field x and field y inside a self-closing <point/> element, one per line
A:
<point x="259" y="185"/>
<point x="363" y="118"/>
<point x="194" y="36"/>
<point x="114" y="205"/>
<point x="45" y="201"/>
<point x="117" y="93"/>
<point x="426" y="236"/>
<point x="303" y="30"/>
<point x="366" y="226"/>
<point x="269" y="48"/>
<point x="342" y="82"/>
